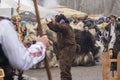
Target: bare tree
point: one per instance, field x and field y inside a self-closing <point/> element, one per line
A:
<point x="106" y="7"/>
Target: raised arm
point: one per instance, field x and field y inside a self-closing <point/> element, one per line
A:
<point x="20" y="57"/>
<point x="57" y="27"/>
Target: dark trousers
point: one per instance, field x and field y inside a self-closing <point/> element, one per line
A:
<point x="114" y="64"/>
<point x="8" y="70"/>
<point x="66" y="56"/>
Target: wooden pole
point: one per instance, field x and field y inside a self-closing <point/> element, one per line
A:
<point x="41" y="34"/>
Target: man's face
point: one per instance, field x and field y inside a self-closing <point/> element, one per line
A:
<point x="86" y="29"/>
<point x="112" y="20"/>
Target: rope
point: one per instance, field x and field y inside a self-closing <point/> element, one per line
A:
<point x="18" y="21"/>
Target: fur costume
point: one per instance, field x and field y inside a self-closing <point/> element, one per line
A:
<point x="66" y="47"/>
<point x="88" y="52"/>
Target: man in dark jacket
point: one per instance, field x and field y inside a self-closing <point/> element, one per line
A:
<point x="66" y="44"/>
<point x="114" y="45"/>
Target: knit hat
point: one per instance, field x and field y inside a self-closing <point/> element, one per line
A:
<point x="23" y="22"/>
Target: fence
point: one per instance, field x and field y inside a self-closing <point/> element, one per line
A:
<point x="106" y="67"/>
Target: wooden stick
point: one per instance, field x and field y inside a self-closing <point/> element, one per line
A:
<point x="41" y="34"/>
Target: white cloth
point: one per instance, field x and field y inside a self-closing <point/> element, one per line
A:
<point x="19" y="57"/>
<point x="112" y="41"/>
<point x="112" y="29"/>
<point x="80" y="25"/>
